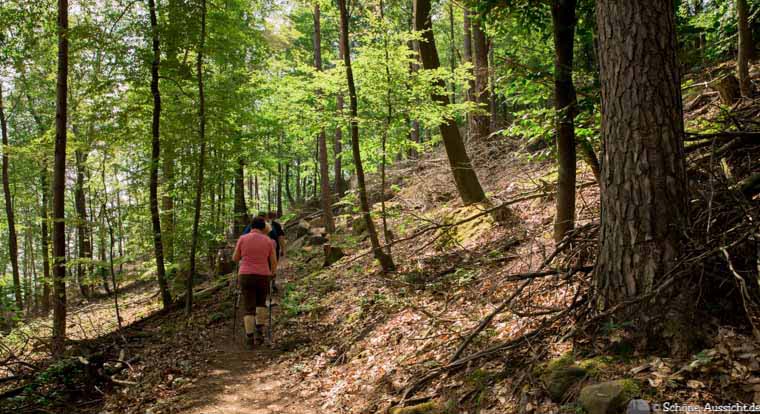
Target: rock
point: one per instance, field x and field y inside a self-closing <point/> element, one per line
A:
<point x="318" y="231"/>
<point x="424" y="408"/>
<point x="358" y="226"/>
<point x="559" y="375"/>
<point x="332" y="254"/>
<point x="298" y="230"/>
<point x="608" y="397"/>
<point x="316" y="240"/>
<point x="558" y="381"/>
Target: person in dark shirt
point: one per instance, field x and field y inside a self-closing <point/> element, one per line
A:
<point x="277" y="233"/>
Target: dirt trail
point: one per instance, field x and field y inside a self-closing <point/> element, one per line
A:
<point x="247" y="382"/>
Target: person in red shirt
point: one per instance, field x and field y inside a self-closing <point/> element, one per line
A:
<point x="258" y="263"/>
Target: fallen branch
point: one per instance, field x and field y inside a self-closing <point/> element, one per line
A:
<point x="487" y="320"/>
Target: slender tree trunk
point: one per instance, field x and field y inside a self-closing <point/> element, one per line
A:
<point x="288" y="193"/>
<point x="257" y="195"/>
<point x="452" y="52"/>
<point x="340" y="183"/>
<point x="745" y="48"/>
<point x="563" y="18"/>
<point x="466" y="180"/>
<point x="59" y="184"/>
<point x="201" y="162"/>
<point x="643" y="187"/>
<point x="324" y="169"/>
<point x="167" y="202"/>
<point x="388" y="121"/>
<point x="492" y="101"/>
<point x="467" y="55"/>
<point x="44" y="241"/>
<point x="480" y="121"/>
<point x="386" y="262"/>
<point x="241" y="210"/>
<point x="11" y="220"/>
<point x="84" y="250"/>
<point x="155" y="217"/>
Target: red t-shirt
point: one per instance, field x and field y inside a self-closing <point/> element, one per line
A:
<point x="255" y="250"/>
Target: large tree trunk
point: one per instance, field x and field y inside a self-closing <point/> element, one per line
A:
<point x="155" y="159"/>
<point x="466" y="180"/>
<point x="643" y="187"/>
<point x="324" y="169"/>
<point x="241" y="210"/>
<point x="59" y="184"/>
<point x="745" y="47"/>
<point x="386" y="262"/>
<point x="480" y="121"/>
<point x="11" y="220"/>
<point x="201" y="162"/>
<point x="563" y="18"/>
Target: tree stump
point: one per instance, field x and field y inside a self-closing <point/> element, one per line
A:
<point x="728" y="89"/>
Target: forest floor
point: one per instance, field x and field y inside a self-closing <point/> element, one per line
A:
<point x="349" y="339"/>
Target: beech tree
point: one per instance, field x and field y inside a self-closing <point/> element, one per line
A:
<point x="745" y="47"/>
<point x="156" y="156"/>
<point x="466" y="179"/>
<point x="9" y="213"/>
<point x="324" y="169"/>
<point x="563" y="18"/>
<point x="386" y="262"/>
<point x="59" y="183"/>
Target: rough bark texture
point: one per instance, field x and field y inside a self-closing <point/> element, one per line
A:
<point x="386" y="262"/>
<point x="59" y="184"/>
<point x="201" y="162"/>
<point x="155" y="159"/>
<point x="744" y="48"/>
<point x="324" y="169"/>
<point x="11" y="220"/>
<point x="480" y="121"/>
<point x="563" y="18"/>
<point x="466" y="180"/>
<point x="241" y="210"/>
<point x="643" y="186"/>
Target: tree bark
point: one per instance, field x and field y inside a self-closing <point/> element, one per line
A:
<point x="59" y="184"/>
<point x="745" y="48"/>
<point x="643" y="186"/>
<point x="167" y="201"/>
<point x="480" y="121"/>
<point x="466" y="180"/>
<point x="12" y="236"/>
<point x="44" y="241"/>
<point x="324" y="169"/>
<point x="563" y="18"/>
<point x="340" y="183"/>
<point x="241" y="210"/>
<point x="386" y="262"/>
<point x="155" y="217"/>
<point x="84" y="250"/>
<point x="201" y="162"/>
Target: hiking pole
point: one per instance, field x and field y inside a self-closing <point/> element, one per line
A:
<point x="237" y="302"/>
<point x="269" y="306"/>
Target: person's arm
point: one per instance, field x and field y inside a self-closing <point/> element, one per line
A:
<point x="273" y="261"/>
<point x="236" y="255"/>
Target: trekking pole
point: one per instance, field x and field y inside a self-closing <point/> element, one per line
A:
<point x="237" y="302"/>
<point x="269" y="306"/>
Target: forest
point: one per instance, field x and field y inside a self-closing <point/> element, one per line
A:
<point x="516" y="206"/>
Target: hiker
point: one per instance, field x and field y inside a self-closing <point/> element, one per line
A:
<point x="264" y="217"/>
<point x="258" y="263"/>
<point x="278" y="235"/>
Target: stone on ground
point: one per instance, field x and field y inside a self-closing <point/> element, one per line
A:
<point x="608" y="397"/>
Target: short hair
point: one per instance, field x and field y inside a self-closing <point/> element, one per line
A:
<point x="258" y="223"/>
